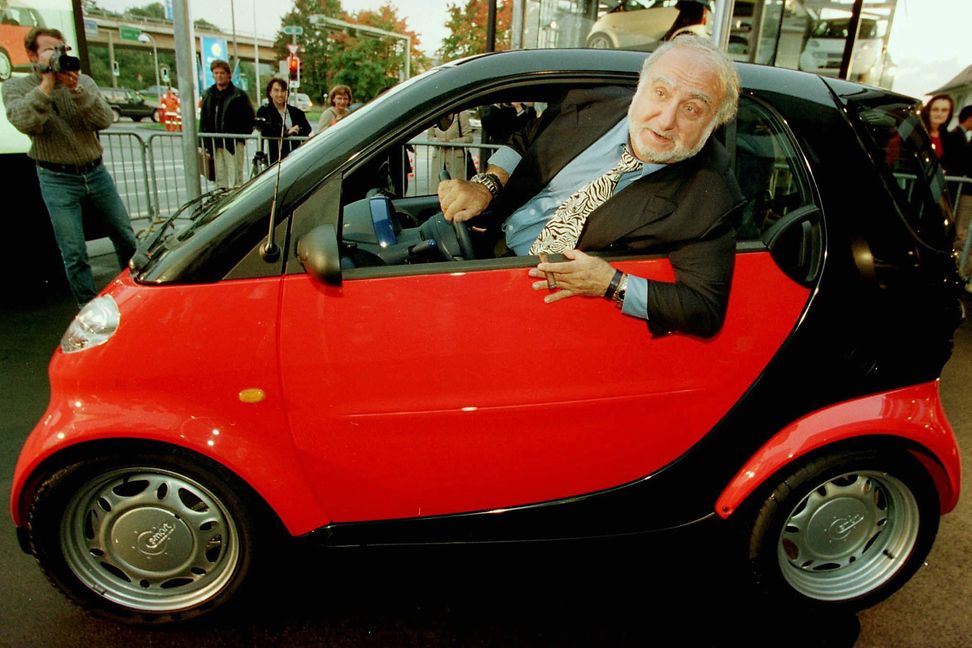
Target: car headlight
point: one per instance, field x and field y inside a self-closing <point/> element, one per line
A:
<point x="94" y="325"/>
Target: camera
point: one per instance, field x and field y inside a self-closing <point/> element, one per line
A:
<point x="61" y="61"/>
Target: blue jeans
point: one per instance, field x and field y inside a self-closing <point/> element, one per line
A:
<point x="66" y="195"/>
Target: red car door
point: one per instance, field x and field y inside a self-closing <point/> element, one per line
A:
<point x="460" y="391"/>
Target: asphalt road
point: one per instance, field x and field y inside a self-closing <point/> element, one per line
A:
<point x="618" y="593"/>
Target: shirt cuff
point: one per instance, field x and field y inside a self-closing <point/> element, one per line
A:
<point x="636" y="297"/>
<point x="505" y="158"/>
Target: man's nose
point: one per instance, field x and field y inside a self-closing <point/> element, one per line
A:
<point x="666" y="117"/>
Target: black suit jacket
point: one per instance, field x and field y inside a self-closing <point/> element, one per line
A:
<point x="685" y="210"/>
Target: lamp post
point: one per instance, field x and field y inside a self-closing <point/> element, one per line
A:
<point x="145" y="37"/>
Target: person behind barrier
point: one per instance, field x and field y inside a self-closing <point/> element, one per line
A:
<point x="61" y="110"/>
<point x="340" y="100"/>
<point x="277" y="117"/>
<point x="604" y="169"/>
<point x="226" y="109"/>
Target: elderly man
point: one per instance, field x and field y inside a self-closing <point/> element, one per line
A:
<point x="659" y="184"/>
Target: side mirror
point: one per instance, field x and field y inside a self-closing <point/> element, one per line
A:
<point x="319" y="254"/>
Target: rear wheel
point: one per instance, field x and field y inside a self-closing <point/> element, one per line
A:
<point x="116" y="115"/>
<point x="154" y="539"/>
<point x="844" y="531"/>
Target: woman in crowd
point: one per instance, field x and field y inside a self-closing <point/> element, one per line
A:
<point x="339" y="99"/>
<point x="277" y="116"/>
<point x="935" y="115"/>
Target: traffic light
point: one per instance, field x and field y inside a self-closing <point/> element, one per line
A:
<point x="293" y="66"/>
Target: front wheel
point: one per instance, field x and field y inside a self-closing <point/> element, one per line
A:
<point x="115" y="115"/>
<point x="158" y="538"/>
<point x="600" y="41"/>
<point x="844" y="531"/>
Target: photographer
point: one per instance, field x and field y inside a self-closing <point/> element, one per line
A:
<point x="61" y="110"/>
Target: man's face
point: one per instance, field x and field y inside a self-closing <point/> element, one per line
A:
<point x="45" y="47"/>
<point x="221" y="77"/>
<point x="673" y="112"/>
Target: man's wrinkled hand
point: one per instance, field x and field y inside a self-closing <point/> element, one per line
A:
<point x="582" y="275"/>
<point x="461" y="200"/>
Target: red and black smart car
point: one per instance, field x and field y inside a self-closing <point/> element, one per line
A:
<point x="361" y="373"/>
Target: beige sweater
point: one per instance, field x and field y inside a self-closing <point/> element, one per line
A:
<point x="63" y="128"/>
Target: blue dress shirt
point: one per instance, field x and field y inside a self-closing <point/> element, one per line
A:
<point x="525" y="224"/>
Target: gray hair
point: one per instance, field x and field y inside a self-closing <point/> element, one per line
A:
<point x="723" y="66"/>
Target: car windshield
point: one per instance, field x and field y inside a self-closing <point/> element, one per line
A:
<point x="903" y="145"/>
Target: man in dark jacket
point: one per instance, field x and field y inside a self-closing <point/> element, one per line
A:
<point x="226" y="109"/>
<point x="603" y="169"/>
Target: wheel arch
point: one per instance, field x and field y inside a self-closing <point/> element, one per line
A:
<point x="907" y="420"/>
<point x="127" y="447"/>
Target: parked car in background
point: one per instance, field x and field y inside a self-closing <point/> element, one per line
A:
<point x="633" y="24"/>
<point x="154" y="93"/>
<point x="302" y="101"/>
<point x="128" y="103"/>
<point x="16" y="20"/>
<point x="245" y="382"/>
<point x="824" y="49"/>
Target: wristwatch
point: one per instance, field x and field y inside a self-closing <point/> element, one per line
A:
<point x="489" y="180"/>
<point x="621" y="290"/>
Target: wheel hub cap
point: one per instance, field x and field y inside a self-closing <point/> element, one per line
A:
<point x="152" y="540"/>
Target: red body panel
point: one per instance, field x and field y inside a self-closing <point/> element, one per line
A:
<point x="436" y="394"/>
<point x="913" y="413"/>
<point x="173" y="372"/>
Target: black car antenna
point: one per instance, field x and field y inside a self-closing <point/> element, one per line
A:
<point x="271" y="251"/>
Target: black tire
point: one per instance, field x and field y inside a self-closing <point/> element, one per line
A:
<point x="153" y="538"/>
<point x="844" y="531"/>
<point x="137" y="118"/>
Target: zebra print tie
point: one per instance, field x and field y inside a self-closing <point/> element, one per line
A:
<point x="563" y="230"/>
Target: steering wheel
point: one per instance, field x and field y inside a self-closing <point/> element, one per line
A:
<point x="462" y="230"/>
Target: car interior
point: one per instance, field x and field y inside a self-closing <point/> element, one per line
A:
<point x="391" y="215"/>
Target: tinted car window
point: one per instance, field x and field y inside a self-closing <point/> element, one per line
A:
<point x="901" y="145"/>
<point x="769" y="171"/>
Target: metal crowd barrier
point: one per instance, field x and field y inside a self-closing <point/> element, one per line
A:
<point x="150" y="175"/>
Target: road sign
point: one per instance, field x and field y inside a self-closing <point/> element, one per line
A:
<point x="293" y="30"/>
<point x="115" y="70"/>
<point x="129" y="33"/>
<point x="90" y="27"/>
<point x="292" y="47"/>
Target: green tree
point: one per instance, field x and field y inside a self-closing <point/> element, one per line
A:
<point x="330" y="55"/>
<point x="369" y="63"/>
<point x="467" y="28"/>
<point x="316" y="47"/>
<point x="202" y="23"/>
<point x="154" y="10"/>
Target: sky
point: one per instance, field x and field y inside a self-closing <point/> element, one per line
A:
<point x="931" y="40"/>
